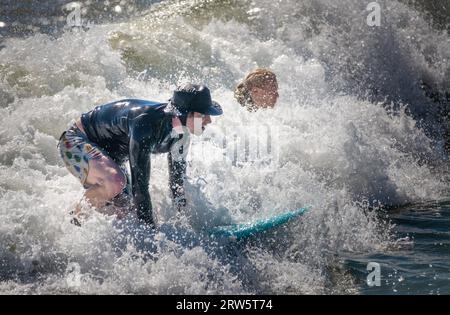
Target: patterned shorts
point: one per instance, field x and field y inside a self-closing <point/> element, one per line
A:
<point x="76" y="150"/>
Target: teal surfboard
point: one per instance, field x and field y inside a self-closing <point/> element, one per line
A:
<point x="242" y="230"/>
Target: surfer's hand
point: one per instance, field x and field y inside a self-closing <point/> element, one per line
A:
<point x="76" y="218"/>
<point x="149" y="224"/>
<point x="146" y="218"/>
<point x="75" y="222"/>
<point x="181" y="208"/>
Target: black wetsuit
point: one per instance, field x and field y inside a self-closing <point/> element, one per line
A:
<point x="131" y="129"/>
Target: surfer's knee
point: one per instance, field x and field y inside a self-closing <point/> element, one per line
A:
<point x="115" y="182"/>
<point x="107" y="175"/>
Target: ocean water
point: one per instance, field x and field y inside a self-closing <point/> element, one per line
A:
<point x="359" y="134"/>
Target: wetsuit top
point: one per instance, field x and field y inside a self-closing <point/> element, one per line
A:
<point x="131" y="129"/>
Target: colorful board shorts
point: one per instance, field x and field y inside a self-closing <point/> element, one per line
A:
<point x="76" y="151"/>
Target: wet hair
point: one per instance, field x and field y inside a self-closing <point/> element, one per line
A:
<point x="257" y="78"/>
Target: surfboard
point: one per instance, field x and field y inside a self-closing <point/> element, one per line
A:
<point x="240" y="231"/>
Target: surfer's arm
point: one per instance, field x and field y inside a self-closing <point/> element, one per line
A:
<point x="177" y="175"/>
<point x="140" y="148"/>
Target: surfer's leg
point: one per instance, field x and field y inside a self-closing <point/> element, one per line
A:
<point x="99" y="174"/>
<point x="105" y="180"/>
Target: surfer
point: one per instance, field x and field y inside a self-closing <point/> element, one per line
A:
<point x="259" y="89"/>
<point x="95" y="148"/>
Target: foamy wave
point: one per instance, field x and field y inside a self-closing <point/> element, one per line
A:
<point x="338" y="153"/>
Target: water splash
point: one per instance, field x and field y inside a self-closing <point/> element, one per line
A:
<point x="341" y="152"/>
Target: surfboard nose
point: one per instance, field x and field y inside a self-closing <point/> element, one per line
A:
<point x="239" y="231"/>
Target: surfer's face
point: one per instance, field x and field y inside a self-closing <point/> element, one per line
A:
<point x="265" y="96"/>
<point x="196" y="123"/>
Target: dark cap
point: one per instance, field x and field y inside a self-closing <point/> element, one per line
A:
<point x="193" y="98"/>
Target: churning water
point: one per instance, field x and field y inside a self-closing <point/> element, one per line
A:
<point x="355" y="132"/>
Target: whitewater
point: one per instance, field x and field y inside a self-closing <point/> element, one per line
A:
<point x="356" y="137"/>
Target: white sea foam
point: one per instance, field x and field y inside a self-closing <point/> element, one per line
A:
<point x="337" y="152"/>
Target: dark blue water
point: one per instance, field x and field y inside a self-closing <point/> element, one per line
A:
<point x="417" y="264"/>
<point x="339" y="150"/>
